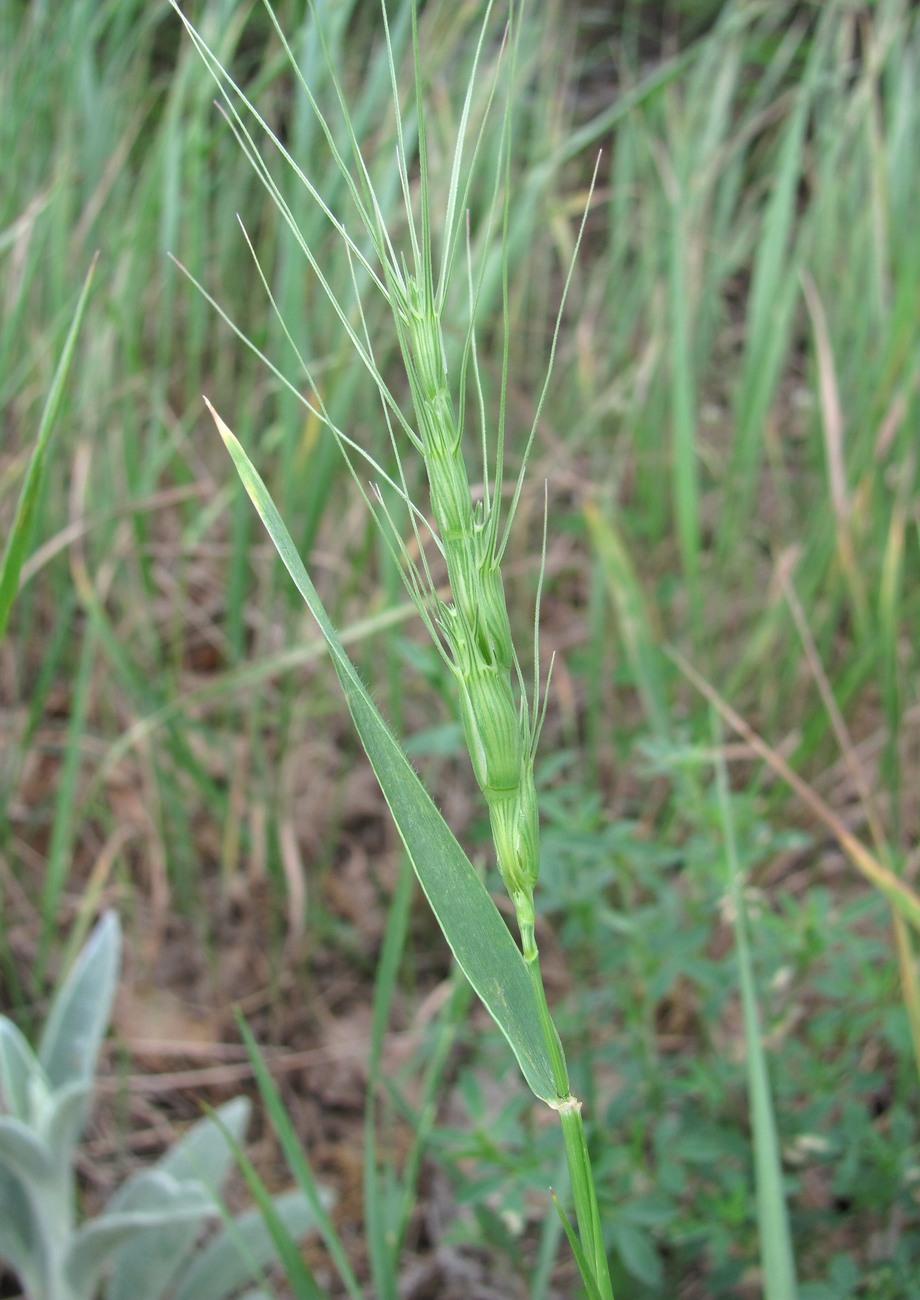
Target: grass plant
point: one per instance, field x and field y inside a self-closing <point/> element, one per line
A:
<point x="733" y="406"/>
<point x="471" y="629"/>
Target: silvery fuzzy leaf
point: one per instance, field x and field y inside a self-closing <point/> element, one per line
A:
<point x="203" y="1151"/>
<point x="69" y="1109"/>
<point x="240" y="1251"/>
<point x="148" y="1266"/>
<point x="24" y="1154"/>
<point x="161" y="1201"/>
<point x="18" y="1064"/>
<point x="155" y="1189"/>
<point x="81" y="1007"/>
<point x="18" y="1236"/>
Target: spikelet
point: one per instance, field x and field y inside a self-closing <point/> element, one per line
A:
<point x="475" y="625"/>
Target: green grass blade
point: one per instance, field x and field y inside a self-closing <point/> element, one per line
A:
<point x="472" y="924"/>
<point x="777" y="1260"/>
<point x="581" y="1258"/>
<point x="683" y="386"/>
<point x="774" y="292"/>
<point x="302" y="1282"/>
<point x="21" y="533"/>
<point x="382" y="1243"/>
<point x="297" y="1162"/>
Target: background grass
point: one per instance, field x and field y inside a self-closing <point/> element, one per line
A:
<point x="730" y="449"/>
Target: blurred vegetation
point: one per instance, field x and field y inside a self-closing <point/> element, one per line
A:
<point x="730" y="447"/>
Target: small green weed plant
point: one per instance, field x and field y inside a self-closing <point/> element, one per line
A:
<point x="143" y="1243"/>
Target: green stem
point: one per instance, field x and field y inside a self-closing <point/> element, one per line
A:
<point x="587" y="1213"/>
<point x="550" y="1034"/>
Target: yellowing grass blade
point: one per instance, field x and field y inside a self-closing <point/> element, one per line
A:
<point x="904" y="899"/>
<point x="472" y="924"/>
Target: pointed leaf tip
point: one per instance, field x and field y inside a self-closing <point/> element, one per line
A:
<point x="222" y="428"/>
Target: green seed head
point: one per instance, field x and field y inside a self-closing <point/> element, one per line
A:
<point x="492" y="625"/>
<point x="492" y="730"/>
<point x="479" y="595"/>
<point x="528" y="824"/>
<point x="425" y="342"/>
<point x="516" y="834"/>
<point x="450" y="498"/>
<point x="466" y="589"/>
<point x="491" y="723"/>
<point x="438" y="428"/>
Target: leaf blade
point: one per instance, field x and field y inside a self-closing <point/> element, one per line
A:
<point x="21" y="532"/>
<point x="466" y="913"/>
<point x="80" y="1010"/>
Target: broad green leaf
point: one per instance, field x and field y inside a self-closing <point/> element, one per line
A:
<point x="472" y="924"/>
<point x="79" y="1014"/>
<point x="21" y="532"/>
